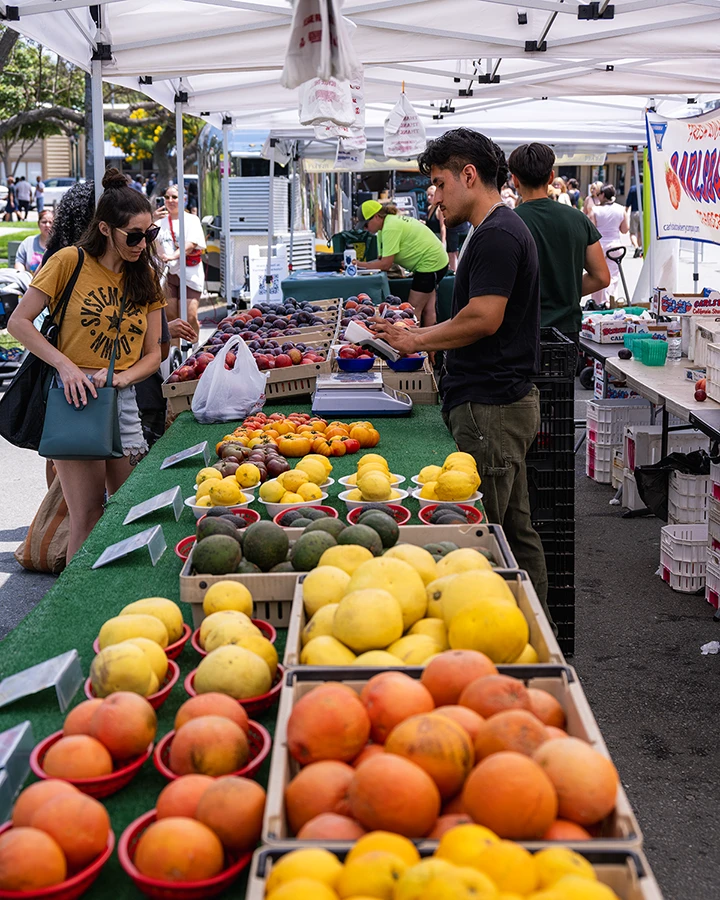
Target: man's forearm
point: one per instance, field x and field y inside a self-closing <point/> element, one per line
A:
<point x="592" y="283"/>
<point x="459" y="331"/>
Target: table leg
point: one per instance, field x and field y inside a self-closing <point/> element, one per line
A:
<point x="664" y="441"/>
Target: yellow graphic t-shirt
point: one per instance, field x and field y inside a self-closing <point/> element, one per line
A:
<point x="91" y="320"/>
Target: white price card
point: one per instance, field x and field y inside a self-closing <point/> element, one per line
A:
<point x="61" y="672"/>
<point x="198" y="449"/>
<point x="16" y="745"/>
<point x="173" y="498"/>
<point x="152" y="538"/>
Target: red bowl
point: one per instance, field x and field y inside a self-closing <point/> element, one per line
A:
<point x="103" y="785"/>
<point x="250" y="515"/>
<point x="258" y="738"/>
<point x="72" y="887"/>
<point x="267" y="630"/>
<point x="174" y="890"/>
<point x="399" y="513"/>
<point x="252" y="705"/>
<point x="474" y="516"/>
<point x="172" y="651"/>
<point x="184" y="547"/>
<point x="331" y="513"/>
<point x="157" y="699"/>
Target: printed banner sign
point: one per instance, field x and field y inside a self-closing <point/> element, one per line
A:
<point x="684" y="156"/>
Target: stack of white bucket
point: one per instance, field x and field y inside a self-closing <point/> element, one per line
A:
<point x="606" y="424"/>
<point x="683" y="555"/>
<point x="712" y="587"/>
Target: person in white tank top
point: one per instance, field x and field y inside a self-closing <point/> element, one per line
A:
<point x="611" y="221"/>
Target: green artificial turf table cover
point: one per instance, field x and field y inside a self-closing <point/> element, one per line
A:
<point x="71" y="613"/>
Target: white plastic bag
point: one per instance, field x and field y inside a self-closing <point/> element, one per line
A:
<point x="319" y="44"/>
<point x="229" y="395"/>
<point x="404" y="132"/>
<point x="328" y="101"/>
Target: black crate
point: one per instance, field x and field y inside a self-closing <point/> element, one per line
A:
<point x="558" y="540"/>
<point x="558" y="355"/>
<point x="561" y="603"/>
<point x="551" y="486"/>
<point x="557" y="420"/>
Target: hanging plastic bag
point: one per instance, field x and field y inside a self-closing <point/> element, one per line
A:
<point x="328" y="101"/>
<point x="319" y="45"/>
<point x="404" y="132"/>
<point x="228" y="395"/>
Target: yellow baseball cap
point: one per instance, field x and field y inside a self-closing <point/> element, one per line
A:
<point x="370" y="208"/>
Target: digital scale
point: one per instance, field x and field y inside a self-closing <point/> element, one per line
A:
<point x="358" y="394"/>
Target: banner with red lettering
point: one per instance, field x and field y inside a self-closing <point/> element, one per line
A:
<point x="684" y="156"/>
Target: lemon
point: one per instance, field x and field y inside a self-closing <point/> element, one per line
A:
<point x="455" y="485"/>
<point x="434" y="628"/>
<point x="374" y="485"/>
<point x="528" y="657"/>
<point x="326" y="651"/>
<point x="389" y="843"/>
<point x="372" y="458"/>
<point x="573" y="887"/>
<point x="225" y="493"/>
<point x="292" y="479"/>
<point x="428" y="491"/>
<point x="346" y="557"/>
<point x="460" y="458"/>
<point x="271" y="491"/>
<point x="414" y="882"/>
<point x="321" y="623"/>
<point x="418" y="558"/>
<point x="322" y="586"/>
<point x="352" y="479"/>
<point x="321" y="459"/>
<point x="414" y="649"/>
<point x="310" y="491"/>
<point x="373" y="874"/>
<point x="355" y="495"/>
<point x="302" y="889"/>
<point x="227" y="595"/>
<point x="429" y="473"/>
<point x="555" y="862"/>
<point x="461" y="883"/>
<point x="204" y="488"/>
<point x="462" y="844"/>
<point x="398" y="578"/>
<point x="464" y="560"/>
<point x="510" y="866"/>
<point x="368" y="619"/>
<point x="247" y="475"/>
<point x="203" y="501"/>
<point x="315" y="471"/>
<point x="492" y="627"/>
<point x="394" y="495"/>
<point x="154" y="654"/>
<point x="206" y="474"/>
<point x="289" y="497"/>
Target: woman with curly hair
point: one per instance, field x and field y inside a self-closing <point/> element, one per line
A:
<point x="73" y="214"/>
<point x="117" y="294"/>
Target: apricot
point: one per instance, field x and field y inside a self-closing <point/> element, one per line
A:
<point x="33" y="797"/>
<point x="327" y="723"/>
<point x="514" y="729"/>
<point x="367" y="751"/>
<point x="233" y="808"/>
<point x="181" y="797"/>
<point x="470" y="721"/>
<point x="77" y="756"/>
<point x="78" y="719"/>
<point x="392" y="697"/>
<point x="209" y="745"/>
<point x="125" y="723"/>
<point x="212" y="704"/>
<point x="179" y="849"/>
<point x="330" y="827"/>
<point x="30" y="860"/>
<point x="447" y="675"/>
<point x="80" y="825"/>
<point x="494" y="694"/>
<point x="318" y="788"/>
<point x="546" y="707"/>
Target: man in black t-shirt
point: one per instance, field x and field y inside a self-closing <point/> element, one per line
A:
<point x="492" y="341"/>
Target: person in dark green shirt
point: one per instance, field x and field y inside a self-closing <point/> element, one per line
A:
<point x="572" y="261"/>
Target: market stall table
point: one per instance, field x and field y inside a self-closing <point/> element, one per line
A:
<point x="309" y="286"/>
<point x="72" y="612"/>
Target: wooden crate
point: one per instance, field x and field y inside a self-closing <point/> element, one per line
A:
<point x="627" y="872"/>
<point x="420" y="386"/>
<point x="541" y="634"/>
<point x="620" y="829"/>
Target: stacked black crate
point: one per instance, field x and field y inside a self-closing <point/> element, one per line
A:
<point x="551" y="478"/>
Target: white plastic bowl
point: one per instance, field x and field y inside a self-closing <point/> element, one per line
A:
<point x="353" y="504"/>
<point x="326" y="484"/>
<point x="471" y="500"/>
<point x="251" y="490"/>
<point x="274" y="508"/>
<point x="395" y="480"/>
<point x="201" y="510"/>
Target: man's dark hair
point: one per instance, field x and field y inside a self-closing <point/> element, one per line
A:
<point x="532" y="164"/>
<point x="572" y="184"/>
<point x="462" y="147"/>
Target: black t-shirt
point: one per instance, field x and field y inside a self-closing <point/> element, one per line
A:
<point x="500" y="258"/>
<point x="148" y="393"/>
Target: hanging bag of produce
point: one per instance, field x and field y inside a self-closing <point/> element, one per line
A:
<point x="328" y="101"/>
<point x="404" y="132"/>
<point x="319" y="45"/>
<point x="226" y="393"/>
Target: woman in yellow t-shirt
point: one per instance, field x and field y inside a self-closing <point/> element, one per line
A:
<point x="118" y="255"/>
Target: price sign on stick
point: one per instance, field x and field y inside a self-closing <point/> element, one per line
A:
<point x="61" y="672"/>
<point x="16" y="745"/>
<point x="173" y="498"/>
<point x="152" y="538"/>
<point x="198" y="449"/>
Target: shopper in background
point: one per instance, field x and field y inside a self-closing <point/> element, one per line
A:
<point x="632" y="210"/>
<point x="574" y="192"/>
<point x="30" y="253"/>
<point x="169" y="252"/>
<point x="509" y="197"/>
<point x="137" y="184"/>
<point x="561" y="191"/>
<point x="410" y="244"/>
<point x="492" y="341"/>
<point x="572" y="261"/>
<point x="39" y="194"/>
<point x="593" y="197"/>
<point x="150" y="185"/>
<point x="11" y="202"/>
<point x="611" y="221"/>
<point x="435" y="220"/>
<point x="23" y="192"/>
<point x="73" y="214"/>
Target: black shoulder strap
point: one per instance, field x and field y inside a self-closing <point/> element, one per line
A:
<point x="69" y="287"/>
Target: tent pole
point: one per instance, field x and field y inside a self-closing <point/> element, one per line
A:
<point x="271" y="220"/>
<point x="98" y="126"/>
<point x="293" y="176"/>
<point x="225" y="213"/>
<point x="696" y="267"/>
<point x="636" y="166"/>
<point x="180" y="98"/>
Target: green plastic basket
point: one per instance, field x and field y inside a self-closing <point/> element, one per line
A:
<point x="631" y="339"/>
<point x="653" y="353"/>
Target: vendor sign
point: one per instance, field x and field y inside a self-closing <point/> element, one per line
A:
<point x="685" y="169"/>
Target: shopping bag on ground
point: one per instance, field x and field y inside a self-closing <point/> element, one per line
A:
<point x="229" y="394"/>
<point x="653" y="481"/>
<point x="45" y="546"/>
<point x="404" y="135"/>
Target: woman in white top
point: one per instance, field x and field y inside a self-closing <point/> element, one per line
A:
<point x="562" y="192"/>
<point x="611" y="221"/>
<point x="169" y="252"/>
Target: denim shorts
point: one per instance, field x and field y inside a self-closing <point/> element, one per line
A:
<point x="131" y="433"/>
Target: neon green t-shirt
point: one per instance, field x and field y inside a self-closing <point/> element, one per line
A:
<point x="412" y="244"/>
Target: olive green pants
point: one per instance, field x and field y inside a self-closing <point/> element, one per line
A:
<point x="499" y="438"/>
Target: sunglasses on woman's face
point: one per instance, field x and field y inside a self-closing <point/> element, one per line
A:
<point x="133" y="238"/>
<point x="171" y="197"/>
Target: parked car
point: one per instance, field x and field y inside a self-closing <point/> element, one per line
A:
<point x="55" y="188"/>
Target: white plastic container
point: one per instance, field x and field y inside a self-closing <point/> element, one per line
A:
<point x="630" y="496"/>
<point x="353" y="504"/>
<point x="712" y="387"/>
<point x="598" y="461"/>
<point x="607" y="419"/>
<point x="712" y="579"/>
<point x="687" y="498"/>
<point x="471" y="500"/>
<point x="683" y="556"/>
<point x="275" y="508"/>
<point x="643" y="444"/>
<point x="200" y="511"/>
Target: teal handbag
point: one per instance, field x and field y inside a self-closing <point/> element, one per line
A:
<point x="87" y="432"/>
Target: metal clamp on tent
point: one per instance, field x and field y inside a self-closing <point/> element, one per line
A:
<point x="11" y="14"/>
<point x="593" y="11"/>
